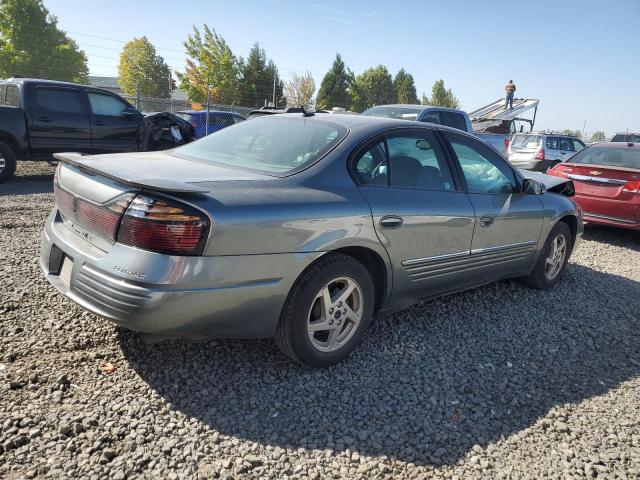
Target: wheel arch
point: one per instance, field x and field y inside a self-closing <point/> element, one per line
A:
<point x="10" y="141"/>
<point x="572" y="222"/>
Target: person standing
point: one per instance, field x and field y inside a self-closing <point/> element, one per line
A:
<point x="510" y="88"/>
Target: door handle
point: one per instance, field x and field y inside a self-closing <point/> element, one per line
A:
<point x="98" y="122"/>
<point x="43" y="119"/>
<point x="486" y="221"/>
<point x="563" y="153"/>
<point x="391" y="221"/>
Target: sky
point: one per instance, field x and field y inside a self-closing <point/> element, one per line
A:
<point x="581" y="59"/>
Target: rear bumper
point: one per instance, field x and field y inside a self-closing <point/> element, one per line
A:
<point x="193" y="297"/>
<point x="615" y="213"/>
<point x="533" y="165"/>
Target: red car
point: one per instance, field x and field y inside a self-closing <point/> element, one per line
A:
<point x="606" y="178"/>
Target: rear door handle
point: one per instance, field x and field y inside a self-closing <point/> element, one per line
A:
<point x="98" y="122"/>
<point x="486" y="221"/>
<point x="391" y="221"/>
<point x="43" y="119"/>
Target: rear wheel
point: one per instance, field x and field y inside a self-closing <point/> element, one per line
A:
<point x="552" y="262"/>
<point x="7" y="162"/>
<point x="327" y="312"/>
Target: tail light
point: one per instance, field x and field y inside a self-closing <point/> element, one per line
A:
<point x="632" y="186"/>
<point x="163" y="226"/>
<point x="506" y="143"/>
<point x="102" y="219"/>
<point x="540" y="154"/>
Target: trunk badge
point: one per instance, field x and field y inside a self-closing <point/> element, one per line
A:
<point x="595" y="172"/>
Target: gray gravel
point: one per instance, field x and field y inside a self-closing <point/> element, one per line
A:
<point x="499" y="382"/>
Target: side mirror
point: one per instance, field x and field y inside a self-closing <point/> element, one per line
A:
<point x="533" y="187"/>
<point x="130" y="113"/>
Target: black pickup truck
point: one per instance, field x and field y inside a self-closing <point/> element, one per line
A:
<point x="41" y="117"/>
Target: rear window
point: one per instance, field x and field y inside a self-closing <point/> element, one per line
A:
<point x="273" y="144"/>
<point x="610" y="157"/>
<point x="403" y="113"/>
<point x="184" y="116"/>
<point x="454" y="120"/>
<point x="9" y="95"/>
<point x="526" y="141"/>
<point x="626" y="137"/>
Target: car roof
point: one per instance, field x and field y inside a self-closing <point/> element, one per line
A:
<point x="416" y="106"/>
<point x="632" y="145"/>
<point x="210" y="111"/>
<point x="539" y="134"/>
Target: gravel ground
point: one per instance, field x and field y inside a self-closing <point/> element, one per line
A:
<point x="498" y="382"/>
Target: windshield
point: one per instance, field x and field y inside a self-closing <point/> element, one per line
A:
<point x="403" y="113"/>
<point x="610" y="157"/>
<point x="271" y="144"/>
<point x="525" y="141"/>
<point x="626" y="137"/>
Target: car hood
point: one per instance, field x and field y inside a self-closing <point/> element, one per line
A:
<point x="157" y="170"/>
<point x="563" y="186"/>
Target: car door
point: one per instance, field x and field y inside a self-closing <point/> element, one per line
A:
<point x="59" y="120"/>
<point x="115" y="125"/>
<point x="552" y="149"/>
<point x="508" y="221"/>
<point x="422" y="218"/>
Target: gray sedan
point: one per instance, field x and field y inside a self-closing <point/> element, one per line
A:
<point x="299" y="227"/>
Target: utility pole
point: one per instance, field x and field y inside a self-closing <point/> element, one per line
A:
<point x="274" y="87"/>
<point x="208" y="102"/>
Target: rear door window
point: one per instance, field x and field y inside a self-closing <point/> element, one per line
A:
<point x="432" y="117"/>
<point x="565" y="144"/>
<point x="577" y="145"/>
<point x="455" y="120"/>
<point x="552" y="143"/>
<point x="58" y="100"/>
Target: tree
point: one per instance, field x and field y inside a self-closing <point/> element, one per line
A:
<point x="141" y="70"/>
<point x="597" y="136"/>
<point x="210" y="63"/>
<point x="32" y="45"/>
<point x="441" y="97"/>
<point x="257" y="82"/>
<point x="334" y="89"/>
<point x="299" y="90"/>
<point x="273" y="77"/>
<point x="373" y="87"/>
<point x="572" y="133"/>
<point x="404" y="87"/>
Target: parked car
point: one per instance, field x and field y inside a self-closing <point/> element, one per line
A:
<point x="39" y="118"/>
<point x="626" y="137"/>
<point x="440" y="116"/>
<point x="606" y="179"/>
<point x="541" y="151"/>
<point x="300" y="227"/>
<point x="217" y="120"/>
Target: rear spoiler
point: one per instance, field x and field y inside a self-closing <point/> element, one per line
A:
<point x="106" y="169"/>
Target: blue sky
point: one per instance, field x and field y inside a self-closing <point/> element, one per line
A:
<point x="580" y="58"/>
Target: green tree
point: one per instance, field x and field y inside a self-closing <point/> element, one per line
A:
<point x="405" y="88"/>
<point x="373" y="87"/>
<point x="299" y="90"/>
<point x="256" y="85"/>
<point x="273" y="74"/>
<point x="140" y="69"/>
<point x="334" y="88"/>
<point x="598" y="136"/>
<point x="210" y="63"/>
<point x="32" y="45"/>
<point x="441" y="97"/>
<point x="572" y="133"/>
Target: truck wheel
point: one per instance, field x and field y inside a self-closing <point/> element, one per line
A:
<point x="327" y="312"/>
<point x="7" y="162"/>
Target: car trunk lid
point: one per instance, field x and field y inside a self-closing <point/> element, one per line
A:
<point x="600" y="181"/>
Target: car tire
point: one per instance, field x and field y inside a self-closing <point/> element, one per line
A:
<point x="552" y="262"/>
<point x="7" y="162"/>
<point x="327" y="312"/>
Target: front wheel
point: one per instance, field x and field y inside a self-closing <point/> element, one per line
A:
<point x="553" y="259"/>
<point x="7" y="162"/>
<point x="327" y="312"/>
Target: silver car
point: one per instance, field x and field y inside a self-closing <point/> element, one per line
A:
<point x="541" y="151"/>
<point x="299" y="227"/>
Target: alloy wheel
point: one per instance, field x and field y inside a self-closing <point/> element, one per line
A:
<point x="555" y="257"/>
<point x="2" y="163"/>
<point x="335" y="314"/>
